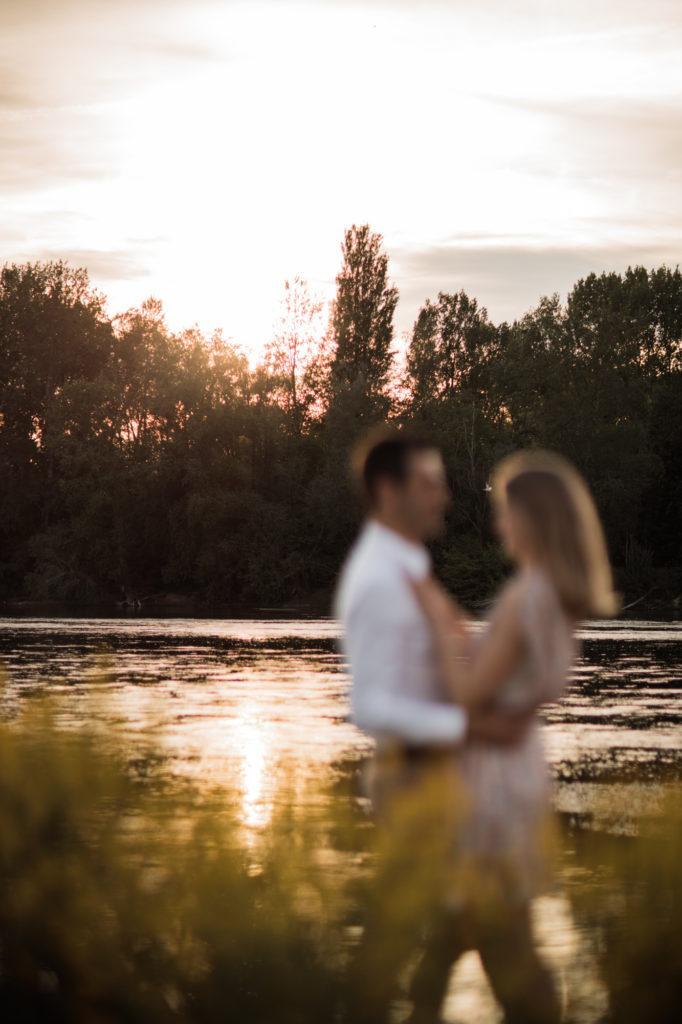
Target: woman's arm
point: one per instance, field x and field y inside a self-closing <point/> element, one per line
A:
<point x="474" y="673"/>
<point x="443" y="611"/>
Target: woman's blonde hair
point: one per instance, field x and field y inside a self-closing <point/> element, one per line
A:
<point x="566" y="532"/>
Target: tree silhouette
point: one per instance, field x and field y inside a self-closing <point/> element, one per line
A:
<point x="290" y="355"/>
<point x="362" y="325"/>
<point x="141" y="462"/>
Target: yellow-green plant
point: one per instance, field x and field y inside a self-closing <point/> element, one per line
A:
<point x="122" y="903"/>
<point x="629" y="896"/>
<point x="128" y="897"/>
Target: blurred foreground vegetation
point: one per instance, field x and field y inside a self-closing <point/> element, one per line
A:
<point x="139" y="464"/>
<point x="127" y="898"/>
<point x="124" y="900"/>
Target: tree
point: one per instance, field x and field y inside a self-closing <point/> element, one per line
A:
<point x="362" y="325"/>
<point x="452" y="343"/>
<point x="52" y="329"/>
<point x="290" y="356"/>
<point x="448" y="382"/>
<point x="141" y="461"/>
<point x="531" y="360"/>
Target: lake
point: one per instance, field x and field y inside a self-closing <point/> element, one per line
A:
<point x="238" y="702"/>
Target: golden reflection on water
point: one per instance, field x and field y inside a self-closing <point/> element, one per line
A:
<point x="235" y="701"/>
<point x="256" y="755"/>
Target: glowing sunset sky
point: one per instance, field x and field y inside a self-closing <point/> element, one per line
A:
<point x="204" y="151"/>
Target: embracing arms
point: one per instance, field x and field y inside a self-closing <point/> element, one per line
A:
<point x="474" y="673"/>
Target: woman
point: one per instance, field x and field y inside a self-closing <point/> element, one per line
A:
<point x="550" y="530"/>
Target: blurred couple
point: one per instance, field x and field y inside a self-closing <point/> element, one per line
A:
<point x="459" y="784"/>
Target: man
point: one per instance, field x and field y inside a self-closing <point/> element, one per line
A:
<point x="398" y="698"/>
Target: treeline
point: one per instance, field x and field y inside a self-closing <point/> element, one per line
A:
<point x="138" y="462"/>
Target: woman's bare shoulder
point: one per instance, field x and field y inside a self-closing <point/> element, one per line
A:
<point x="511" y="592"/>
<point x="507" y="606"/>
<point x="524" y="597"/>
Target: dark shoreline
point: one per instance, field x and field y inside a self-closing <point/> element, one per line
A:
<point x="319" y="606"/>
<point x="163" y="608"/>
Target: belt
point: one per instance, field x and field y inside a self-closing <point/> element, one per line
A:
<point x="414" y="753"/>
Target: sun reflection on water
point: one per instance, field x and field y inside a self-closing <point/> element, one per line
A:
<point x="256" y="770"/>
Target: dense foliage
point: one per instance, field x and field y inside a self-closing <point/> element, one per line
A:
<point x="137" y="462"/>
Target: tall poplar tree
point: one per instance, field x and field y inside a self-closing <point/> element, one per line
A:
<point x="362" y="325"/>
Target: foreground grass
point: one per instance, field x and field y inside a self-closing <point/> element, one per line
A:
<point x="124" y="901"/>
<point x="120" y="903"/>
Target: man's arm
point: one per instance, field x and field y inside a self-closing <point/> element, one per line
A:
<point x="379" y="700"/>
<point x="414" y="721"/>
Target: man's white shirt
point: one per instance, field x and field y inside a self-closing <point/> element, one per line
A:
<point x="396" y="690"/>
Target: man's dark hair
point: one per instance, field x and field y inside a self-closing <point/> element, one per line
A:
<point x="385" y="455"/>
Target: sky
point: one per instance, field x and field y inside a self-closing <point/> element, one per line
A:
<point x="203" y="151"/>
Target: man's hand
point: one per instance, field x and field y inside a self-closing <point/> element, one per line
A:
<point x="504" y="729"/>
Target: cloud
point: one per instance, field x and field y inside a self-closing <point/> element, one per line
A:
<point x="180" y="50"/>
<point x="36" y="153"/>
<point x="610" y="136"/>
<point x="579" y="15"/>
<point x="13" y="98"/>
<point x="103" y="266"/>
<point x="509" y="279"/>
<point x="17" y="12"/>
<point x="131" y="260"/>
<point x="67" y="64"/>
<point x="10" y="235"/>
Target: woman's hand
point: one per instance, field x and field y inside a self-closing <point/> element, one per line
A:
<point x="447" y="619"/>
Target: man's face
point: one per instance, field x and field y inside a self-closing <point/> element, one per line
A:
<point x="424" y="496"/>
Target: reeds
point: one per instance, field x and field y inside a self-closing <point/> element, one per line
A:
<point x="124" y="901"/>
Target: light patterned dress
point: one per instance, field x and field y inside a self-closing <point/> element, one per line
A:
<point x="507" y="788"/>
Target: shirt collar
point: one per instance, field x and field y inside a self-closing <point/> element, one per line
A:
<point x="413" y="556"/>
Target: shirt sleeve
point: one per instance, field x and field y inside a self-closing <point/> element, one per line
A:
<point x="379" y="701"/>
